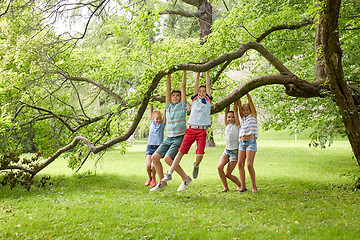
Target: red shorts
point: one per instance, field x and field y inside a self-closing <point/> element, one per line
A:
<point x="190" y="136"/>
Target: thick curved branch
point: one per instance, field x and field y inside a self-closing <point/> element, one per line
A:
<point x="235" y="55"/>
<point x="293" y="86"/>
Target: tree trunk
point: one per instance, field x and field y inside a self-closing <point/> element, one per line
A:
<point x="328" y="35"/>
<point x="205" y="9"/>
<point x="210" y="138"/>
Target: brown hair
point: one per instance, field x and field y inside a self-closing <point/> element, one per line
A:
<point x="176" y="91"/>
<point x="154" y="113"/>
<point x="230" y="112"/>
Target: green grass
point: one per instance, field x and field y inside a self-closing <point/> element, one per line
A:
<point x="302" y="195"/>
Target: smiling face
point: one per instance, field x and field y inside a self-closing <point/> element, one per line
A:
<point x="157" y="118"/>
<point x="246" y="109"/>
<point x="230" y="118"/>
<point x="202" y="91"/>
<point x="175" y="97"/>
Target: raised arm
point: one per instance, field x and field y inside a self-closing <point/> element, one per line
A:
<point x="236" y="113"/>
<point x="226" y="113"/>
<point x="183" y="87"/>
<point x="240" y="109"/>
<point x="251" y="105"/>
<point x="167" y="95"/>
<point x="196" y="84"/>
<point x="208" y="89"/>
<point x="168" y="89"/>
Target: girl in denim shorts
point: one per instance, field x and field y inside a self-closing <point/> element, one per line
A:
<point x="247" y="145"/>
<point x="230" y="155"/>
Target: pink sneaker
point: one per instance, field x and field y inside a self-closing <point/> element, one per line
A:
<point x="153" y="182"/>
<point x="148" y="182"/>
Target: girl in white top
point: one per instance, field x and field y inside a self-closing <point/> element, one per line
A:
<point x="230" y="155"/>
<point x="247" y="145"/>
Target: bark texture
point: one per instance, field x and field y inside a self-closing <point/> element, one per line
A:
<point x="330" y="66"/>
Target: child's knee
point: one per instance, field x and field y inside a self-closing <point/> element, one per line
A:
<point x="228" y="175"/>
<point x="241" y="164"/>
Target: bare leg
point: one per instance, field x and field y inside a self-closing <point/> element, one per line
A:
<point x="176" y="162"/>
<point x="250" y="155"/>
<point x="242" y="157"/>
<point x="153" y="171"/>
<point x="157" y="165"/>
<point x="148" y="165"/>
<point x="178" y="169"/>
<point x="199" y="158"/>
<point x="224" y="159"/>
<point x="233" y="178"/>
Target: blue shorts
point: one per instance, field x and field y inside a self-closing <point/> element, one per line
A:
<point x="248" y="145"/>
<point x="232" y="154"/>
<point x="170" y="146"/>
<point x="150" y="149"/>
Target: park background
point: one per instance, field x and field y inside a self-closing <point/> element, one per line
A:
<point x="76" y="79"/>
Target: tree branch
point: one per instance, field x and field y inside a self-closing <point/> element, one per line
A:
<point x="97" y="84"/>
<point x="181" y="13"/>
<point x="7" y="9"/>
<point x="284" y="27"/>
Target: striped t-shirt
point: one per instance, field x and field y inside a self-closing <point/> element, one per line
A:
<point x="176" y="119"/>
<point x="248" y="126"/>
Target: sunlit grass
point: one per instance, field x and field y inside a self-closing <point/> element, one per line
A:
<point x="302" y="195"/>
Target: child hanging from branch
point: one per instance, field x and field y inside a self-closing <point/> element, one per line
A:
<point x="230" y="155"/>
<point x="156" y="137"/>
<point x="247" y="146"/>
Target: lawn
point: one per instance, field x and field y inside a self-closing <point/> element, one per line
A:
<point x="303" y="193"/>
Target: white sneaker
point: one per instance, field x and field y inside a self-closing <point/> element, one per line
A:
<point x="159" y="186"/>
<point x="167" y="177"/>
<point x="184" y="185"/>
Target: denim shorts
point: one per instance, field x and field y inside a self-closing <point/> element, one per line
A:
<point x="150" y="149"/>
<point x="232" y="154"/>
<point x="248" y="145"/>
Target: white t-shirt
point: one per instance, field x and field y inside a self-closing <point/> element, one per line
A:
<point x="232" y="137"/>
